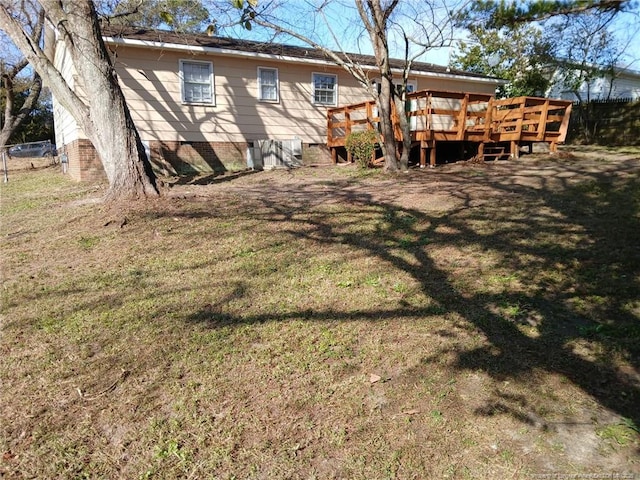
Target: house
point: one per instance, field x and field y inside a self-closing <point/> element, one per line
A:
<point x="204" y="104"/>
<point x="623" y="84"/>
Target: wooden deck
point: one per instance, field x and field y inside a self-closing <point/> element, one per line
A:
<point x="441" y="116"/>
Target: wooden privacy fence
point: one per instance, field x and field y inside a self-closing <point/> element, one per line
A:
<point x="606" y="122"/>
<point x="443" y="116"/>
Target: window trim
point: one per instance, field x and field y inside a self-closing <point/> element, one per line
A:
<point x="260" y="97"/>
<point x="313" y="89"/>
<point x="183" y="99"/>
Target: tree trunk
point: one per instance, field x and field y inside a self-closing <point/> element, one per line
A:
<point x="375" y="18"/>
<point x="105" y="117"/>
<point x="385" y="104"/>
<point x="4" y="138"/>
<point x="12" y="118"/>
<point x="112" y="131"/>
<point x="400" y="103"/>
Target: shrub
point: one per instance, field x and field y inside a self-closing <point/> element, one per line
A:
<point x="362" y="145"/>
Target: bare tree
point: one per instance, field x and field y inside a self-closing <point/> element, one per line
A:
<point x="587" y="53"/>
<point x="15" y="113"/>
<point x="417" y="28"/>
<point x="428" y="29"/>
<point x="375" y="18"/>
<point x="104" y="116"/>
<point x="587" y="50"/>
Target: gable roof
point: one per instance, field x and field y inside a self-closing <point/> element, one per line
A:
<point x="149" y="38"/>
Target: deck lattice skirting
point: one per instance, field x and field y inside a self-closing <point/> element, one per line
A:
<point x="443" y="116"/>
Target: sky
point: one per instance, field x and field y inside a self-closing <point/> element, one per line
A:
<point x="339" y="20"/>
<point x="627" y="29"/>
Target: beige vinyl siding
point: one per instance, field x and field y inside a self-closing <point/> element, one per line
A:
<point x="65" y="126"/>
<point x="151" y="84"/>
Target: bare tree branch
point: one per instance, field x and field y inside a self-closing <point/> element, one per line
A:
<point x="36" y="57"/>
<point x="12" y="118"/>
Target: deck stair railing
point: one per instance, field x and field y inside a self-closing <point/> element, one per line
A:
<point x="531" y="119"/>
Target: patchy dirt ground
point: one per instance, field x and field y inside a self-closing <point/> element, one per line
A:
<point x="444" y="188"/>
<point x="477" y="320"/>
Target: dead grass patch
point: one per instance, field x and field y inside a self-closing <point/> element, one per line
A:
<point x="231" y="330"/>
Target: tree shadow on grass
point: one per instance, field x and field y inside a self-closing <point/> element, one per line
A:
<point x="589" y="231"/>
<point x="210" y="179"/>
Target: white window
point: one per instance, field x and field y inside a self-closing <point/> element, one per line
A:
<point x="411" y="86"/>
<point x="325" y="89"/>
<point x="268" y="84"/>
<point x="196" y="79"/>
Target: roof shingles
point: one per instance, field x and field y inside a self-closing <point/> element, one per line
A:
<point x="268" y="48"/>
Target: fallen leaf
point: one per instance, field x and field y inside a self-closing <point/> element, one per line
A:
<point x="373" y="378"/>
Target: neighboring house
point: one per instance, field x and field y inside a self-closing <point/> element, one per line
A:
<point x="623" y="84"/>
<point x="205" y="104"/>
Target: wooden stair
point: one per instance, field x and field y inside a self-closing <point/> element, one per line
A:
<point x="493" y="152"/>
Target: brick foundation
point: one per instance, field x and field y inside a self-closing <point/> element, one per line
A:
<point x="193" y="158"/>
<point x="84" y="164"/>
<point x="181" y="158"/>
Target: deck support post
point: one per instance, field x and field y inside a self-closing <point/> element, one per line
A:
<point x="423" y="156"/>
<point x="349" y="157"/>
<point x="553" y="147"/>
<point x="481" y="151"/>
<point x="515" y="149"/>
<point x="334" y="155"/>
<point x="432" y="155"/>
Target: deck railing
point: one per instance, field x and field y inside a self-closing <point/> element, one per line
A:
<point x="530" y="119"/>
<point x="460" y="116"/>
